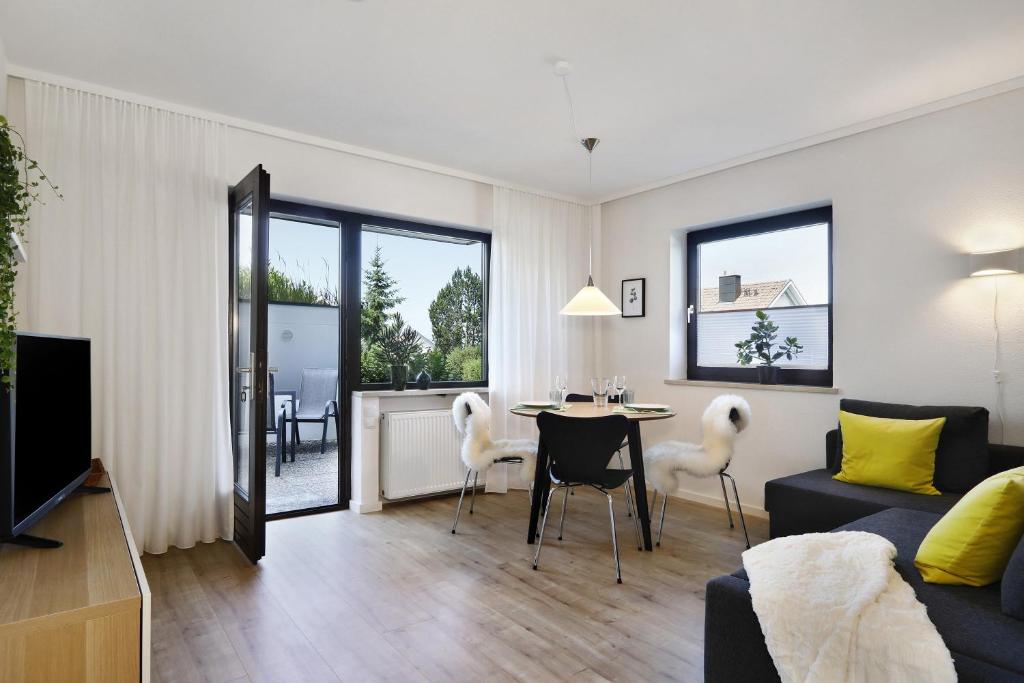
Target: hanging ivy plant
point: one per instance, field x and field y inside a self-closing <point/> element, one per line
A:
<point x="20" y="182"/>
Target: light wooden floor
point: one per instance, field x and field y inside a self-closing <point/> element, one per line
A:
<point x="394" y="596"/>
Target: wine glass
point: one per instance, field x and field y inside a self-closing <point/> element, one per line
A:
<point x="619" y="382"/>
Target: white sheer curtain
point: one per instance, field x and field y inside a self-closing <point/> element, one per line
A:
<point x="134" y="258"/>
<point x="538" y="262"/>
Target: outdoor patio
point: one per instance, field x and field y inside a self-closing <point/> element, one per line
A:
<point x="310" y="481"/>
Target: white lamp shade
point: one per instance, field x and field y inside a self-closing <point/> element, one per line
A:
<point x="1006" y="262"/>
<point x="590" y="301"/>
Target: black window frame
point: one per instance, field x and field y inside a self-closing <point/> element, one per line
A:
<point x="794" y="219"/>
<point x="357" y="221"/>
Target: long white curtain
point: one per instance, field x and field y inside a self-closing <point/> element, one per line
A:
<point x="134" y="258"/>
<point x="539" y="260"/>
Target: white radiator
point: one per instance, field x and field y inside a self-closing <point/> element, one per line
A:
<point x="419" y="454"/>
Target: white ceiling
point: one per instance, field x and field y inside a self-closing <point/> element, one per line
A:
<point x="669" y="86"/>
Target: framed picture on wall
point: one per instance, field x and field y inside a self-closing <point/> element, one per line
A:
<point x="633" y="295"/>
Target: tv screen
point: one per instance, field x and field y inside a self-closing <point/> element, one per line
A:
<point x="51" y="449"/>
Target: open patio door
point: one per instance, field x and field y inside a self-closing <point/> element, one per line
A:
<point x="249" y="210"/>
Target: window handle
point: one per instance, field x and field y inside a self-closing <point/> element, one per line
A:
<point x="689" y="313"/>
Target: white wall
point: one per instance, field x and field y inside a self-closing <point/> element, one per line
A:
<point x="319" y="175"/>
<point x="908" y="200"/>
<point x="312" y="342"/>
<point x="3" y="79"/>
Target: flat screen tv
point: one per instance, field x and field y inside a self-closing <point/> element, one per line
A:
<point x="45" y="432"/>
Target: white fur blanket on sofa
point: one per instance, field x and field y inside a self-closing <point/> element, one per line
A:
<point x="833" y="608"/>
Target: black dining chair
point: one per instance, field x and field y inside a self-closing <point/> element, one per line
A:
<point x="589" y="398"/>
<point x="579" y="451"/>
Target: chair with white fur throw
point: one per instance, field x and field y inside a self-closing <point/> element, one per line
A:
<point x="722" y="422"/>
<point x="479" y="452"/>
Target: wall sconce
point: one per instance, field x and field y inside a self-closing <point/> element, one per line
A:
<point x="1005" y="262"/>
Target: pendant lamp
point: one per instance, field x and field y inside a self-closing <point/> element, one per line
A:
<point x="590" y="300"/>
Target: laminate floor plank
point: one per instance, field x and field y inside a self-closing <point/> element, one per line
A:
<point x="394" y="596"/>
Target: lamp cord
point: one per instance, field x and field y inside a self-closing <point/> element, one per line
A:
<point x="995" y="359"/>
<point x="590" y="170"/>
<point x="590" y="228"/>
<point x="572" y="111"/>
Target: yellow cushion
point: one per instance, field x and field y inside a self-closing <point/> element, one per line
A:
<point x="973" y="542"/>
<point x="891" y="454"/>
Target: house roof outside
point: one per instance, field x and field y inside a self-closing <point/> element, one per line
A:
<point x="426" y="342"/>
<point x="754" y="296"/>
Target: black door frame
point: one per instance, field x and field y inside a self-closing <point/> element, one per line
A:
<point x="350" y="224"/>
<point x="249" y="531"/>
<point x="348" y="291"/>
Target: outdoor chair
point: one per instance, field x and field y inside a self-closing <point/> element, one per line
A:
<point x="316" y="401"/>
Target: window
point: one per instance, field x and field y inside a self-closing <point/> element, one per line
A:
<point x="780" y="265"/>
<point x="431" y="282"/>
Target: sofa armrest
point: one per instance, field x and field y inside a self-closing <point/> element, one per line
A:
<point x="831" y="457"/>
<point x="734" y="648"/>
<point x="1002" y="458"/>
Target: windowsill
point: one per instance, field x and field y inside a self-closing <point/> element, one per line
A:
<point x="411" y="393"/>
<point x="800" y="388"/>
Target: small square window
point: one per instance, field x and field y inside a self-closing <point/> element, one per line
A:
<point x="779" y="266"/>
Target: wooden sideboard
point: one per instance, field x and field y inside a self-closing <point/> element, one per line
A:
<point x="80" y="612"/>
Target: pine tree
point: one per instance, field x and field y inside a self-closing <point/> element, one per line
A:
<point x="456" y="314"/>
<point x="380" y="297"/>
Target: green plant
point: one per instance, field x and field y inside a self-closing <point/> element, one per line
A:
<point x="285" y="289"/>
<point x="372" y="365"/>
<point x="464" y="363"/>
<point x="456" y="314"/>
<point x="762" y="337"/>
<point x="20" y="182"/>
<point x="380" y="295"/>
<point x="397" y="341"/>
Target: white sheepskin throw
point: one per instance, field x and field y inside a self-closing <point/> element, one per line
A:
<point x="723" y="420"/>
<point x="472" y="418"/>
<point x="833" y="608"/>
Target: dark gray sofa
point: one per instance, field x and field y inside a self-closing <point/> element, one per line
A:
<point x="986" y="642"/>
<point x="815" y="502"/>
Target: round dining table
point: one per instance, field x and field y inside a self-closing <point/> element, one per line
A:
<point x="541" y="477"/>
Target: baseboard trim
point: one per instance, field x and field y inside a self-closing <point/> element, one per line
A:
<point x="714" y="501"/>
<point x="364" y="508"/>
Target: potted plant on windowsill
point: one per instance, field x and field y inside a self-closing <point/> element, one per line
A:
<point x="398" y="343"/>
<point x="759" y="346"/>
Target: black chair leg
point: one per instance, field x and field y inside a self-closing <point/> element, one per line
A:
<point x="323" y="437"/>
<point x="294" y="435"/>
<point x="280" y="444"/>
<point x="277" y="463"/>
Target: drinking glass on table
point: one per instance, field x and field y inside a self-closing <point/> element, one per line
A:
<point x="627" y="396"/>
<point x="556" y="396"/>
<point x="600" y="387"/>
<point x="561" y="385"/>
